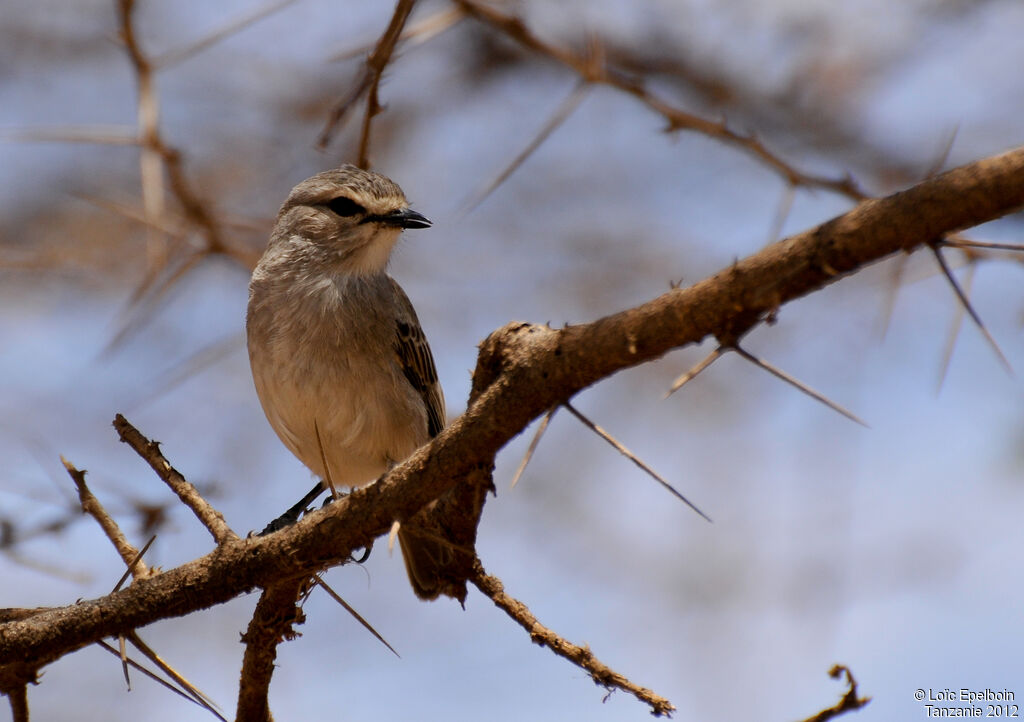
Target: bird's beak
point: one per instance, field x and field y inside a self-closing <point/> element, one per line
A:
<point x="405" y="218"/>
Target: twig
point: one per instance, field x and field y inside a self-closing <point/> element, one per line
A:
<point x="796" y="383"/>
<point x="157" y="155"/>
<point x="594" y="72"/>
<point x="533" y="446"/>
<point x="849" y="701"/>
<point x="92" y="506"/>
<point x="564" y="110"/>
<point x="163" y="225"/>
<point x="212" y="519"/>
<point x="632" y="457"/>
<point x="149" y="126"/>
<point x="131" y="557"/>
<point x="582" y="657"/>
<point x="368" y="81"/>
<point x="416" y="34"/>
<point x="94" y="135"/>
<point x="158" y="159"/>
<point x="272" y="622"/>
<point x="524" y="369"/>
<point x="969" y="308"/>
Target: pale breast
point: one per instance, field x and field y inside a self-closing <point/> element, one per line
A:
<point x="326" y="374"/>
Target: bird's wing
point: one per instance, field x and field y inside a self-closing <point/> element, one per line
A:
<point x="417" y="362"/>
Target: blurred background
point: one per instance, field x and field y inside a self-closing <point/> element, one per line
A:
<point x="894" y="549"/>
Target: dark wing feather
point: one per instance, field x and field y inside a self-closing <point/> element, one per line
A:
<point x="417" y="363"/>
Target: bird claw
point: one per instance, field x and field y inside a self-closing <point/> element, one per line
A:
<point x="292" y="515"/>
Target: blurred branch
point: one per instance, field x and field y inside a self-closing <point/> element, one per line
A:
<point x="157" y="160"/>
<point x="582" y="657"/>
<point x="174" y="57"/>
<point x="152" y="145"/>
<point x="368" y="81"/>
<point x="561" y="114"/>
<point x="849" y="701"/>
<point x="416" y="34"/>
<point x="522" y="371"/>
<point x="96" y="135"/>
<point x="592" y="68"/>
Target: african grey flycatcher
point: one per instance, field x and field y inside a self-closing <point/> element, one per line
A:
<point x="341" y="365"/>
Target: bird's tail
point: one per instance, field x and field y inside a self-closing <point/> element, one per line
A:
<point x="431" y="565"/>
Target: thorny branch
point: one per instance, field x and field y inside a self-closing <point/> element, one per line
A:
<point x="200" y="700"/>
<point x="582" y="657"/>
<point x="808" y="266"/>
<point x="272" y="622"/>
<point x="368" y="81"/>
<point x="157" y="156"/>
<point x="212" y="519"/>
<point x="524" y="370"/>
<point x="157" y="159"/>
<point x="91" y="505"/>
<point x="593" y="69"/>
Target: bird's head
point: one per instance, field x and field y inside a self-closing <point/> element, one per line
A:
<point x="351" y="215"/>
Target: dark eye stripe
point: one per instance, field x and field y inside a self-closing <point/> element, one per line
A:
<point x="345" y="206"/>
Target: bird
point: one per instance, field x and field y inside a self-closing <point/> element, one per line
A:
<point x="339" y="360"/>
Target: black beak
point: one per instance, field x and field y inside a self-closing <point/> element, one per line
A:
<point x="404" y="218"/>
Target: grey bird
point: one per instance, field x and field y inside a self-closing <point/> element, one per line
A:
<point x="340" y="363"/>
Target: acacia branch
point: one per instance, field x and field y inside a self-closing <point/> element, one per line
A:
<point x="92" y="506"/>
<point x="592" y="69"/>
<point x="212" y="519"/>
<point x="582" y="657"/>
<point x="271" y="623"/>
<point x="19" y="703"/>
<point x="522" y="371"/>
<point x="368" y="81"/>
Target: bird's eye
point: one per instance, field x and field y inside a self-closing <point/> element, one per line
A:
<point x="345" y="206"/>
